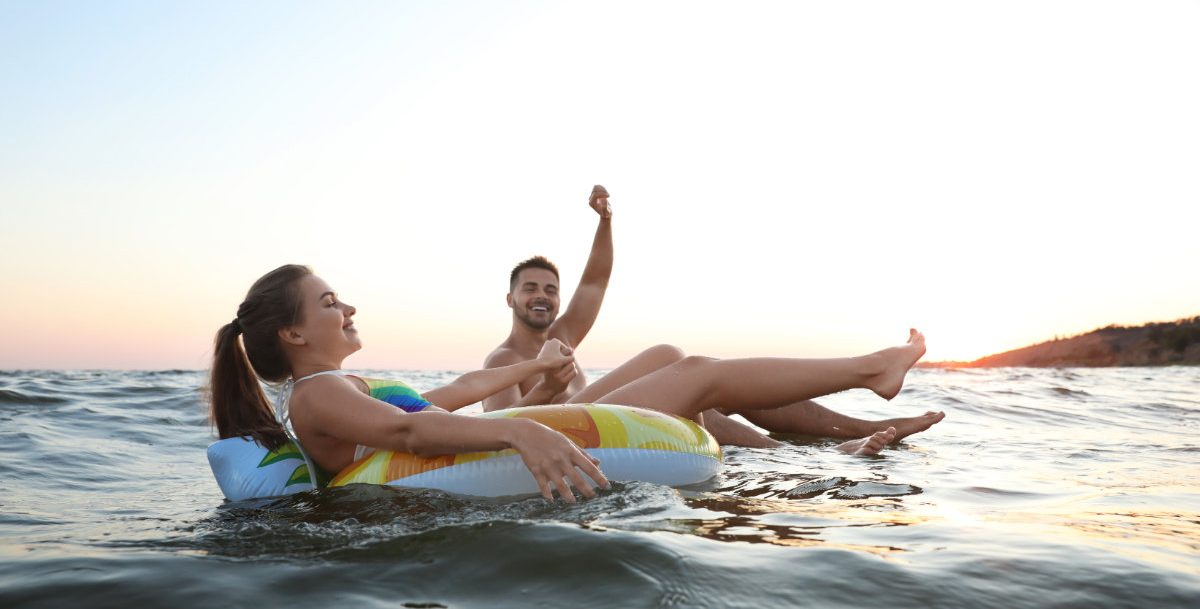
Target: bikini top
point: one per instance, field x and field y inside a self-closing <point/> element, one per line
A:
<point x="395" y="393"/>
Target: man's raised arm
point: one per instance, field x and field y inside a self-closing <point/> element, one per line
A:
<point x="581" y="313"/>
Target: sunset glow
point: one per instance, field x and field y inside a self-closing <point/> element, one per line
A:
<point x="805" y="179"/>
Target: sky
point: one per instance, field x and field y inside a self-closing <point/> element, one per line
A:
<point x="804" y="179"/>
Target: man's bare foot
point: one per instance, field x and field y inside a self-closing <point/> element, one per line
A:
<point x="869" y="445"/>
<point x="907" y="426"/>
<point x="896" y="362"/>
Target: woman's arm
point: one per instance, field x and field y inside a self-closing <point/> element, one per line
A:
<point x="549" y="455"/>
<point x="552" y="383"/>
<point x="332" y="407"/>
<point x="475" y="386"/>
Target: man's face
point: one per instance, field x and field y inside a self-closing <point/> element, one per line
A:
<point x="534" y="300"/>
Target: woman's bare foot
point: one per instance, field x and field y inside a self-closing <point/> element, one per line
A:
<point x="869" y="445"/>
<point x="907" y="426"/>
<point x="896" y="362"/>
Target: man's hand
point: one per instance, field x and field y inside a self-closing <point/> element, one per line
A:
<point x="599" y="201"/>
<point x="556" y="381"/>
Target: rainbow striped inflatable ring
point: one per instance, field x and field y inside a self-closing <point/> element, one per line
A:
<point x="631" y="444"/>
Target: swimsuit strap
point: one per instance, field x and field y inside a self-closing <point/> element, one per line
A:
<point x="285" y="419"/>
<point x="285" y="394"/>
<point x="322" y="373"/>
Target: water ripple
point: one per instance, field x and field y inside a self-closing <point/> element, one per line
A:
<point x="1041" y="488"/>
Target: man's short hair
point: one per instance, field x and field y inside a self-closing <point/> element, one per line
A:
<point x="537" y="262"/>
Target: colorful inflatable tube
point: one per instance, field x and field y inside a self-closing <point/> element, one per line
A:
<point x="631" y="443"/>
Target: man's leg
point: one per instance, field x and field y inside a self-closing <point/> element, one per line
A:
<point x="730" y="432"/>
<point x="812" y="419"/>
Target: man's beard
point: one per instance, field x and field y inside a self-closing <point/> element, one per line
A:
<point x="534" y="323"/>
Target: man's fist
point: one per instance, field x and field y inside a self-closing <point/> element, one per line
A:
<point x="599" y="201"/>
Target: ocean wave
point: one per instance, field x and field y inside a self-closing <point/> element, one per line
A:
<point x="1067" y="391"/>
<point x="10" y="396"/>
<point x="1015" y="490"/>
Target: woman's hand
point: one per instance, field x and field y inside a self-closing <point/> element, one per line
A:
<point x="479" y="384"/>
<point x="554" y="355"/>
<point x="555" y="461"/>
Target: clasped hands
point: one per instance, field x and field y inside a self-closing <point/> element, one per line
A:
<point x="559" y="361"/>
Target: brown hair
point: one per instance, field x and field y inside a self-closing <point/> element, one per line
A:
<point x="239" y="407"/>
<point x="537" y="262"/>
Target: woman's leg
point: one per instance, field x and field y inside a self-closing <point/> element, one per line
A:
<point x="725" y="430"/>
<point x="695" y="384"/>
<point x="654" y="358"/>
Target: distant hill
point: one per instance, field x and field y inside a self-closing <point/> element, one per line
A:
<point x="1155" y="344"/>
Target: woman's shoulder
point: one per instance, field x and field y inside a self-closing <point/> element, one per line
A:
<point x="320" y="387"/>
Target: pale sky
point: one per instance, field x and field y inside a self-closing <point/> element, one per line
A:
<point x="788" y="178"/>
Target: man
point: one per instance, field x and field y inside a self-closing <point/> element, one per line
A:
<point x="534" y="299"/>
<point x="533" y="296"/>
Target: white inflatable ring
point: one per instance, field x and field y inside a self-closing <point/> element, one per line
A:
<point x="631" y="444"/>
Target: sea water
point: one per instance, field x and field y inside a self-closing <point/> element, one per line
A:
<point x="1042" y="488"/>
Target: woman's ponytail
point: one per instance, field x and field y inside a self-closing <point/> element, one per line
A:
<point x="239" y="407"/>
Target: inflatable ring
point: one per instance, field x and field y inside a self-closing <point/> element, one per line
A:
<point x="631" y="444"/>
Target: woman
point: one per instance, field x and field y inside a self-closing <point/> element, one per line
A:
<point x="293" y="326"/>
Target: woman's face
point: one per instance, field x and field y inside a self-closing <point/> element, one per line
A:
<point x="328" y="324"/>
